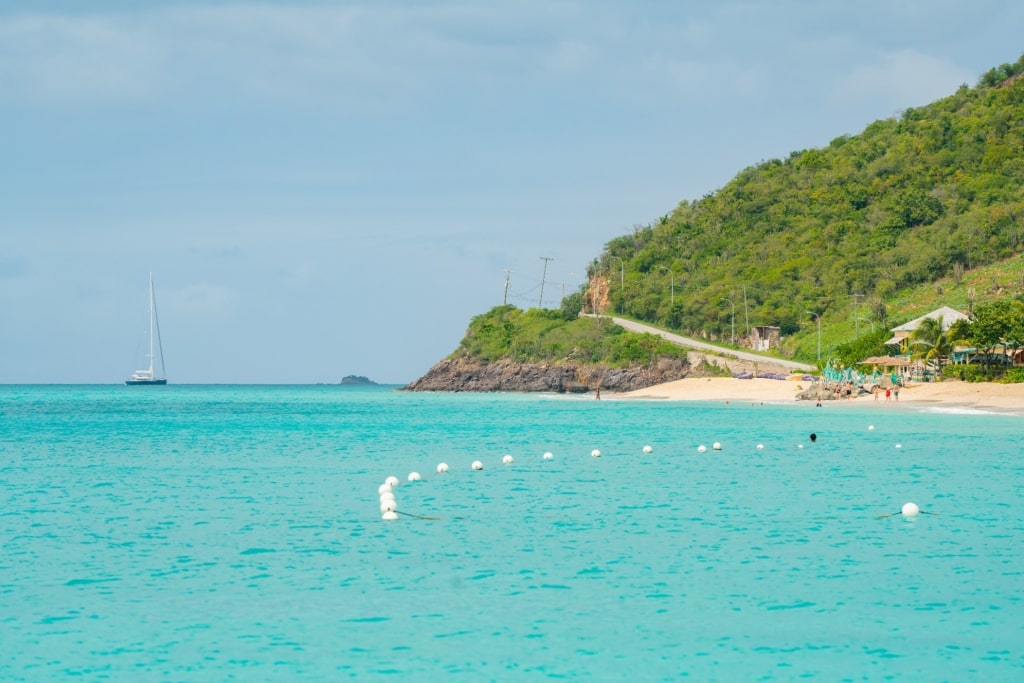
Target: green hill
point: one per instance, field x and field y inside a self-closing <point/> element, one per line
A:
<point x="833" y="246"/>
<point x="859" y="231"/>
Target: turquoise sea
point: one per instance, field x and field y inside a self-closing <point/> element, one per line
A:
<point x="234" y="533"/>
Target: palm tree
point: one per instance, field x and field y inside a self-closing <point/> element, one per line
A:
<point x="933" y="342"/>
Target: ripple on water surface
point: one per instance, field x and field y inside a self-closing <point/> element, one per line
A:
<point x="234" y="532"/>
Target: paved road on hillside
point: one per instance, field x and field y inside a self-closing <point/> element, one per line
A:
<point x="697" y="344"/>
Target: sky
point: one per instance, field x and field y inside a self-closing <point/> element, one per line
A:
<point x="323" y="189"/>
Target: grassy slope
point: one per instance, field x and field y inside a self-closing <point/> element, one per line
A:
<point x="888" y="215"/>
<point x="1005" y="278"/>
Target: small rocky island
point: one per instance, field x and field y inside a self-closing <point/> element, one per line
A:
<point x="356" y="379"/>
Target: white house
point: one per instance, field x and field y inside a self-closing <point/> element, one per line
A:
<point x="901" y="334"/>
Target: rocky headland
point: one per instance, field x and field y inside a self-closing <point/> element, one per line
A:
<point x="468" y="374"/>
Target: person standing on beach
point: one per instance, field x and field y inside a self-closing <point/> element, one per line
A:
<point x="896" y="391"/>
<point x="888" y="393"/>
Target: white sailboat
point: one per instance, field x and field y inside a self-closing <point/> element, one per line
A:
<point x="149" y="376"/>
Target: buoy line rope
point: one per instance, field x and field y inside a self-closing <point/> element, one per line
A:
<point x="409" y="514"/>
<point x="390" y="512"/>
<point x="900" y="512"/>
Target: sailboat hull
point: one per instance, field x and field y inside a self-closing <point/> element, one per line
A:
<point x="148" y="377"/>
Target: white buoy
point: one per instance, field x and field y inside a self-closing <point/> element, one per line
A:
<point x="910" y="510"/>
<point x="442" y="468"/>
<point x="648" y="449"/>
<point x="414" y="476"/>
<point x="477" y="465"/>
<point x="388" y="506"/>
<point x="389" y="516"/>
<point x="595" y="453"/>
<point x="387" y="495"/>
<point x="799" y="445"/>
<point x="391" y="481"/>
<point x="871" y="428"/>
<point x="717" y="446"/>
<point x="760" y="446"/>
<point x="701" y="448"/>
<point x="384" y="488"/>
<point x="549" y="455"/>
<point x="899" y="446"/>
<point x="507" y="460"/>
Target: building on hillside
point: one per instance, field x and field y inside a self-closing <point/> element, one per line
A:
<point x="901" y="334"/>
<point x="764" y="337"/>
<point x="997" y="355"/>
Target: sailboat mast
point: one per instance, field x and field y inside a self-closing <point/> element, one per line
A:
<point x="151" y="314"/>
<point x="143" y="377"/>
<point x="159" y="341"/>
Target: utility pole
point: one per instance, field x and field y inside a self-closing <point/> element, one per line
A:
<point x="856" y="314"/>
<point x="732" y="319"/>
<point x="540" y="303"/>
<point x="504" y="301"/>
<point x="746" y="315"/>
<point x="818" y="316"/>
<point x="565" y="284"/>
<point x="819" y="338"/>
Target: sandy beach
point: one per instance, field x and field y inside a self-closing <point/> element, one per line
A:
<point x="1008" y="398"/>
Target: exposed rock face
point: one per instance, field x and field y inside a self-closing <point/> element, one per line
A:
<point x="821" y="391"/>
<point x="463" y="374"/>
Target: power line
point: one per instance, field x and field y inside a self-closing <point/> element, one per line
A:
<point x="540" y="303"/>
<point x="527" y="296"/>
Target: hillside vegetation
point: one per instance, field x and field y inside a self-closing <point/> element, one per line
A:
<point x="833" y="246"/>
<point x="858" y="232"/>
<point x="506" y="332"/>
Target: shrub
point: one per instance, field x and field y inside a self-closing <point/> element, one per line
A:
<point x="973" y="372"/>
<point x="1014" y="376"/>
<point x="547" y="336"/>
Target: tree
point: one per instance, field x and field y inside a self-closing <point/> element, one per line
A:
<point x="869" y="344"/>
<point x="932" y="342"/>
<point x="997" y="323"/>
<point x="572" y="305"/>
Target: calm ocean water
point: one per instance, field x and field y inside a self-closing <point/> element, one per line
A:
<point x="216" y="533"/>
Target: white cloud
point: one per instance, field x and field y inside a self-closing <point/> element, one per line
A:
<point x="13" y="267"/>
<point x="688" y="74"/>
<point x="60" y="59"/>
<point x="367" y="56"/>
<point x="697" y="34"/>
<point x="905" y="78"/>
<point x="571" y="56"/>
<point x="200" y="299"/>
<point x="229" y="51"/>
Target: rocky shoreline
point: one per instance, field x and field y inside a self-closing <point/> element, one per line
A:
<point x="464" y="374"/>
<point x="468" y="374"/>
